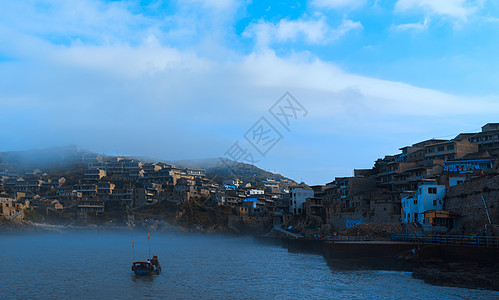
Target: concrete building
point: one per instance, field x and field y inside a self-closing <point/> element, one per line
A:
<point x="387" y="170"/>
<point x="410" y="179"/>
<point x="105" y="188"/>
<point x="488" y="139"/>
<point x="416" y="152"/>
<point x="124" y="195"/>
<point x="314" y="209"/>
<point x="428" y="197"/>
<point x="21" y="185"/>
<point x="297" y="198"/>
<point x="12" y="209"/>
<point x="469" y="166"/>
<point x="68" y="193"/>
<point x="145" y="195"/>
<point x="93" y="174"/>
<point x="97" y="165"/>
<point x="89" y="190"/>
<point x="151" y="167"/>
<point x="115" y="167"/>
<point x="91" y="206"/>
<point x="7" y="206"/>
<point x="254" y="192"/>
<point x="450" y="150"/>
<point x="195" y="172"/>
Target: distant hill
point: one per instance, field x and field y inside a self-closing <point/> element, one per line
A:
<point x="219" y="169"/>
<point x="69" y="157"/>
<point x="48" y="159"/>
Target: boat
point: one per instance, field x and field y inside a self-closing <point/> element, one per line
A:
<point x="149" y="267"/>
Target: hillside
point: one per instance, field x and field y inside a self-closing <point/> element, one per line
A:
<point x="46" y="159"/>
<point x="62" y="159"/>
<point x="218" y="169"/>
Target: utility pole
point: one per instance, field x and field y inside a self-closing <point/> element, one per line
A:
<point x="486" y="209"/>
<point x="488" y="216"/>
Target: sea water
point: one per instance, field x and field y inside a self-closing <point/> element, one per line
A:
<point x="97" y="265"/>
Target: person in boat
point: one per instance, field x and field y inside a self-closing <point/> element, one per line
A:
<point x="155" y="263"/>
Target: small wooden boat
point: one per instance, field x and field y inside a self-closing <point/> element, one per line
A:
<point x="149" y="267"/>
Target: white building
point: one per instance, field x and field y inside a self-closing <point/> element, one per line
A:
<point x="254" y="192"/>
<point x="429" y="196"/>
<point x="297" y="197"/>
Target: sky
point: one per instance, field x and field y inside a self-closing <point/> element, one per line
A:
<point x="309" y="89"/>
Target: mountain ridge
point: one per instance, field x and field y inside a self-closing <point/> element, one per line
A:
<point x="217" y="169"/>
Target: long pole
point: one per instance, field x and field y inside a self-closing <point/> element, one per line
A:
<point x="486" y="209"/>
<point x="149" y="242"/>
<point x="133" y="252"/>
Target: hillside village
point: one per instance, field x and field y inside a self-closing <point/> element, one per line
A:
<point x="445" y="186"/>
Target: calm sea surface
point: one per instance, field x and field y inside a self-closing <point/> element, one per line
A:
<point x="96" y="265"/>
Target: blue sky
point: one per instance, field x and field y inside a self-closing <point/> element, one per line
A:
<point x="187" y="79"/>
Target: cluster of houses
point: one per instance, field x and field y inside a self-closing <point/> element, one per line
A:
<point x="106" y="182"/>
<point x="409" y="187"/>
<point x="110" y="183"/>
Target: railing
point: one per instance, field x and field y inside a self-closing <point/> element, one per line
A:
<point x="289" y="233"/>
<point x="348" y="238"/>
<point x="475" y="241"/>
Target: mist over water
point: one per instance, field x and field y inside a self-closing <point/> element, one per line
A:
<point x="96" y="265"/>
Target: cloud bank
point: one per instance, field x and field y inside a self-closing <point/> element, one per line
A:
<point x="175" y="85"/>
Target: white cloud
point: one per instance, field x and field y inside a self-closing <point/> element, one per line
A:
<point x="338" y="4"/>
<point x="422" y="26"/>
<point x="458" y="9"/>
<point x="312" y="31"/>
<point x="66" y="22"/>
<point x="147" y="86"/>
<point x="381" y="97"/>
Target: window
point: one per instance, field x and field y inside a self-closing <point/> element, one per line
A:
<point x="434" y="202"/>
<point x="450" y="147"/>
<point x="299" y="210"/>
<point x="441" y="148"/>
<point x="432" y="190"/>
<point x="483" y="165"/>
<point x="415" y="201"/>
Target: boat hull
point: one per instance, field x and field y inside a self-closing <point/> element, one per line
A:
<point x="146" y="268"/>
